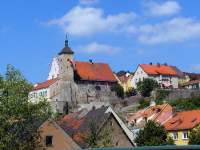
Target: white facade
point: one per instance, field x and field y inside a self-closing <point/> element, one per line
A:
<point x="54" y="69"/>
<point x="37" y="95"/>
<point x="140" y="75"/>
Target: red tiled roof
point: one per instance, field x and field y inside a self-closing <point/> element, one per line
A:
<point x="94" y="71"/>
<point x="191" y="82"/>
<point x="78" y="126"/>
<point x="45" y="84"/>
<point x="159" y="69"/>
<point x="158" y="113"/>
<point x="183" y="120"/>
<point x="193" y="76"/>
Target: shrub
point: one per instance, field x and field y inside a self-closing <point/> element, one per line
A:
<point x="143" y="103"/>
<point x="146" y="86"/>
<point x="131" y="92"/>
<point x="118" y="89"/>
<point x="161" y="95"/>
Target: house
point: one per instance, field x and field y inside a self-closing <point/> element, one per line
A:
<point x="125" y="81"/>
<point x="186" y="77"/>
<point x="180" y="125"/>
<point x="42" y="90"/>
<point x="193" y="85"/>
<point x="157" y="113"/>
<point x="167" y="76"/>
<point x="53" y="137"/>
<point x="102" y="123"/>
<point x="73" y="82"/>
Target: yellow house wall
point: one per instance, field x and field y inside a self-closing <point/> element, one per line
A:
<point x="180" y="140"/>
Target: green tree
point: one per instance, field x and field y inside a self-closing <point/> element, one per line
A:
<point x="118" y="89"/>
<point x="146" y="86"/>
<point x="99" y="137"/>
<point x="194" y="137"/>
<point x="130" y="92"/>
<point x="153" y="134"/>
<point x="19" y="118"/>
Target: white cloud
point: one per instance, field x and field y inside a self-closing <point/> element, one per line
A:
<point x="88" y="2"/>
<point x="86" y="21"/>
<point x="162" y="9"/>
<point x="95" y="47"/>
<point x="196" y="67"/>
<point x="81" y="21"/>
<point x="174" y="30"/>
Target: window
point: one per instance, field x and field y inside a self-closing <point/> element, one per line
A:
<point x="175" y="136"/>
<point x="98" y="88"/>
<point x="49" y="140"/>
<point x="185" y="135"/>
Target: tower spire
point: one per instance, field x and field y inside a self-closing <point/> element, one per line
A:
<point x="66" y="41"/>
<point x="66" y="49"/>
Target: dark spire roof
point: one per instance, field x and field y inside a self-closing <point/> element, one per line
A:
<point x="66" y="49"/>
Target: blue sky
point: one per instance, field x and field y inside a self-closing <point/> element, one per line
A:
<point x="123" y="33"/>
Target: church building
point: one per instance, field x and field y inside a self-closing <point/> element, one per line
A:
<point x="71" y="83"/>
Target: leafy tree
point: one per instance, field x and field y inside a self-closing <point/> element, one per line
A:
<point x="130" y="92"/>
<point x="19" y="118"/>
<point x="153" y="134"/>
<point x="146" y="86"/>
<point x="98" y="137"/>
<point x="118" y="89"/>
<point x="194" y="137"/>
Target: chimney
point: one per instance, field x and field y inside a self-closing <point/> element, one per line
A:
<point x="158" y="64"/>
<point x="90" y="60"/>
<point x="150" y="63"/>
<point x="165" y="64"/>
<point x="174" y="111"/>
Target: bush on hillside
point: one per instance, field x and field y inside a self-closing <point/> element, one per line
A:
<point x="130" y="92"/>
<point x="146" y="86"/>
<point x="186" y="104"/>
<point x="161" y="95"/>
<point x="118" y="89"/>
<point x="144" y="103"/>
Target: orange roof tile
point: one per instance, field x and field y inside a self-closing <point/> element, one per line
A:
<point x="45" y="84"/>
<point x="159" y="113"/>
<point x="183" y="120"/>
<point x="159" y="69"/>
<point x="94" y="71"/>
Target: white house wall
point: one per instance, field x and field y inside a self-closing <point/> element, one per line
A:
<point x="37" y="95"/>
<point x="138" y="76"/>
<point x="54" y="69"/>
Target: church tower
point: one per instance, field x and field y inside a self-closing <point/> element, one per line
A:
<point x="65" y="63"/>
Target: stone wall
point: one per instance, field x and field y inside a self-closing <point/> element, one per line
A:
<point x="182" y="94"/>
<point x="70" y="94"/>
